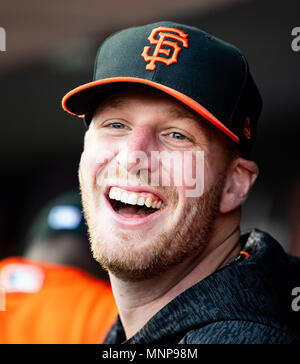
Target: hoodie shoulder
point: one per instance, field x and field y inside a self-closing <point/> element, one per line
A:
<point x="238" y="332"/>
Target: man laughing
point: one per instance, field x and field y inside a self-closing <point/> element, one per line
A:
<point x="167" y="101"/>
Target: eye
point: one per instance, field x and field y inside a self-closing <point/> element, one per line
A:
<point x="178" y="136"/>
<point x="116" y="126"/>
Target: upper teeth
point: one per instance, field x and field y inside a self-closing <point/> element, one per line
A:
<point x="133" y="198"/>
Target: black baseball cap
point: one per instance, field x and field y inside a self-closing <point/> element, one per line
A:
<point x="206" y="74"/>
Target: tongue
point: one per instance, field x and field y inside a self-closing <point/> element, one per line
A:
<point x="133" y="211"/>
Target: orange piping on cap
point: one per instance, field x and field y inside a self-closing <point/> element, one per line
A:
<point x="176" y="94"/>
<point x="247" y="255"/>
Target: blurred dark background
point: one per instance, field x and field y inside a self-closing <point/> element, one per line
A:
<point x="50" y="49"/>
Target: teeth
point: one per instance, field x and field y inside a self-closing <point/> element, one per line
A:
<point x="118" y="194"/>
<point x="141" y="201"/>
<point x="124" y="197"/>
<point x="112" y="194"/>
<point x="134" y="199"/>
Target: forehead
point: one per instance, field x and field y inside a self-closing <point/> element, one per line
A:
<point x="153" y="100"/>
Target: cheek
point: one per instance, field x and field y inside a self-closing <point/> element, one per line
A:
<point x="95" y="156"/>
<point x="86" y="166"/>
<point x="192" y="172"/>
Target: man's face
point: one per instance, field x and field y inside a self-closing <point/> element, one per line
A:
<point x="132" y="240"/>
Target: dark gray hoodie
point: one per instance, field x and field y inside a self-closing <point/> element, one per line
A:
<point x="244" y="302"/>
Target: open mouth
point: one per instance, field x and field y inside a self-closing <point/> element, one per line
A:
<point x="133" y="205"/>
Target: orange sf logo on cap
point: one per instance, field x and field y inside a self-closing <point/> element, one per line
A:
<point x="180" y="36"/>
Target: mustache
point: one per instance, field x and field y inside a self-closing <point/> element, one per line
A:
<point x="118" y="175"/>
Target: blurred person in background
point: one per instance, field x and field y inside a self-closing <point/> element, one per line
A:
<point x="56" y="293"/>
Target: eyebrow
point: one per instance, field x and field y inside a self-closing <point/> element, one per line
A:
<point x="191" y="116"/>
<point x="182" y="114"/>
<point x="111" y="102"/>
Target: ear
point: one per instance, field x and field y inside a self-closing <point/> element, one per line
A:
<point x="241" y="176"/>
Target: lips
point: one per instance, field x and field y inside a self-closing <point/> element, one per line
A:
<point x="132" y="206"/>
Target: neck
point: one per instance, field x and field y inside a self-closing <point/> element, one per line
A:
<point x="139" y="301"/>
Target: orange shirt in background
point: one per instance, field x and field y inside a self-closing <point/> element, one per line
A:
<point x="53" y="304"/>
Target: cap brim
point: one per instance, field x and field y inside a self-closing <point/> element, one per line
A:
<point x="84" y="98"/>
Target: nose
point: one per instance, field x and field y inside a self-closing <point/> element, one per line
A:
<point x="136" y="150"/>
